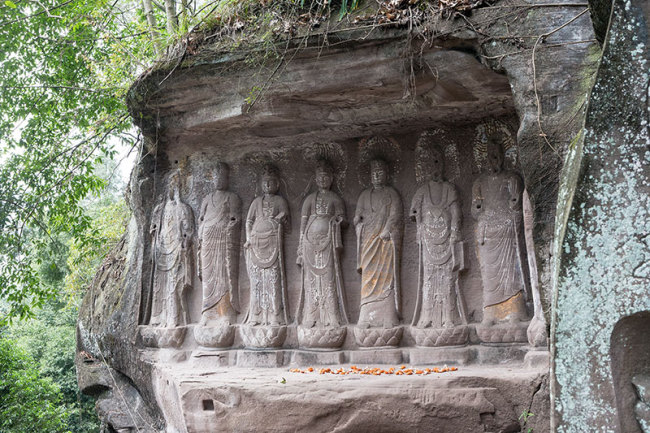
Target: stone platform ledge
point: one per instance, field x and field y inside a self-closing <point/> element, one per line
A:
<point x="515" y="354"/>
<point x="472" y="399"/>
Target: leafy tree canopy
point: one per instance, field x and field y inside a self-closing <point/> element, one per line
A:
<point x="64" y="68"/>
<point x="28" y="403"/>
<point x="67" y="268"/>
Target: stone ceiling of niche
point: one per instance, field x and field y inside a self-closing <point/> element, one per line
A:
<point x="331" y="96"/>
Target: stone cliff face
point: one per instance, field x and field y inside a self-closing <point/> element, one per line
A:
<point x="602" y="303"/>
<point x="517" y="74"/>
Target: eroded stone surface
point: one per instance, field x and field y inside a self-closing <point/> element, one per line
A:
<point x="239" y="400"/>
<point x="604" y="226"/>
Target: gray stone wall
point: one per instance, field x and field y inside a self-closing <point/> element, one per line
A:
<point x="603" y="224"/>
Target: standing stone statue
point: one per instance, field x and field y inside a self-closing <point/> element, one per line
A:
<point x="267" y="219"/>
<point x="436" y="210"/>
<point x="172" y="229"/>
<point x="378" y="222"/>
<point x="218" y="262"/>
<point x="321" y="312"/>
<point x="496" y="205"/>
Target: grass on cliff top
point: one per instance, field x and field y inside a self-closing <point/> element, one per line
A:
<point x="247" y="25"/>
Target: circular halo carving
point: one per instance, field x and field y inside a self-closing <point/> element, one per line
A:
<point x="384" y="148"/>
<point x="255" y="163"/>
<point x="494" y="131"/>
<point x="332" y="153"/>
<point x="427" y="142"/>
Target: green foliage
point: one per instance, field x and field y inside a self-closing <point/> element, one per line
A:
<point x="65" y="67"/>
<point x="49" y="340"/>
<point x="64" y="70"/>
<point x="347" y="7"/>
<point x="49" y="337"/>
<point x="28" y="403"/>
<point x="525" y="416"/>
<point x="109" y="221"/>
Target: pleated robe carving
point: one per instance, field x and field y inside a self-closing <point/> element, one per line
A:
<point x="437" y="211"/>
<point x="172" y="228"/>
<point x="265" y="261"/>
<point x="321" y="300"/>
<point x="379" y="211"/>
<point x="497" y="209"/>
<point x="219" y="231"/>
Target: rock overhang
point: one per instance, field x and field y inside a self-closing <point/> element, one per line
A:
<point x="324" y="92"/>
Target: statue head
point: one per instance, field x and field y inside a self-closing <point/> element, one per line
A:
<point x="221" y="174"/>
<point x="378" y="173"/>
<point x="324" y="174"/>
<point x="495" y="156"/>
<point x="174" y="183"/>
<point x="437" y="164"/>
<point x="270" y="179"/>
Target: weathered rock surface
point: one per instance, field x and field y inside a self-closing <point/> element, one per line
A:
<point x="241" y="400"/>
<point x="601" y="316"/>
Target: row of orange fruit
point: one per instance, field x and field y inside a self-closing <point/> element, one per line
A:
<point x="376" y="371"/>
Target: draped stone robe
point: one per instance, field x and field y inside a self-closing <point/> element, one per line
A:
<point x="379" y="210"/>
<point x="322" y="302"/>
<point x="437" y="211"/>
<point x="496" y="205"/>
<point x="172" y="228"/>
<point x="265" y="261"/>
<point x="219" y="225"/>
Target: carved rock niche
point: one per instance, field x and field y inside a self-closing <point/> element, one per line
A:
<point x="333" y="222"/>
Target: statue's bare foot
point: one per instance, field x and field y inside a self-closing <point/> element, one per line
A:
<point x="363" y="324"/>
<point x="424" y="324"/>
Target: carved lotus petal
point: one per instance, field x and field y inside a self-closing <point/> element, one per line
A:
<point x="503" y="333"/>
<point x="260" y="337"/>
<point x="215" y="336"/>
<point x="378" y="337"/>
<point x="321" y="338"/>
<point x="153" y="336"/>
<point x="430" y="337"/>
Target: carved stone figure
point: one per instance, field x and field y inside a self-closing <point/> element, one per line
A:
<point x="436" y="209"/>
<point x="172" y="230"/>
<point x="378" y="222"/>
<point x="496" y="206"/>
<point x="321" y="311"/>
<point x="267" y="220"/>
<point x="218" y="262"/>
